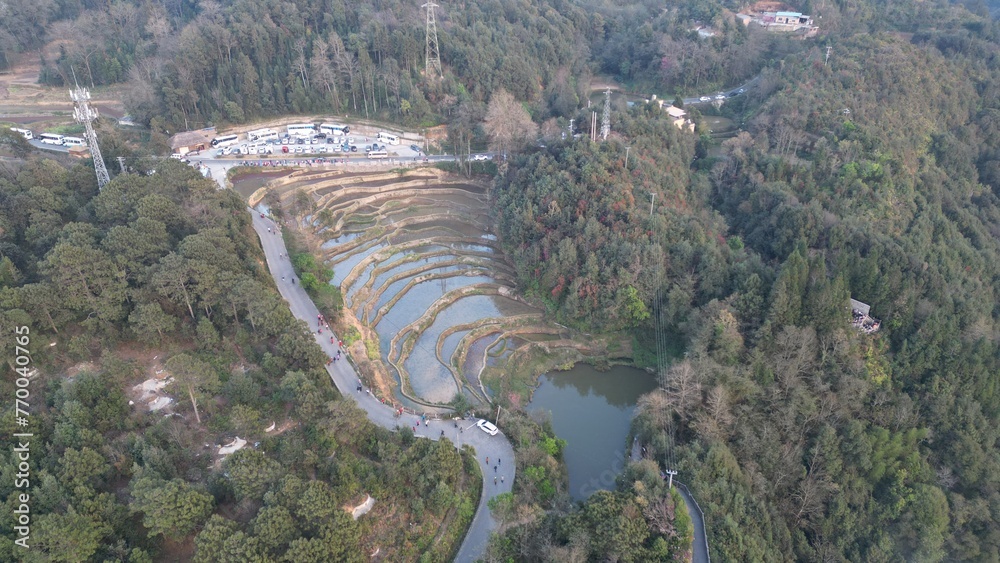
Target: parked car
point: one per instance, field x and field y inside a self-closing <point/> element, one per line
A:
<point x="414" y="148"/>
<point x="704" y="99"/>
<point x="720" y="96"/>
<point x="488" y="427"/>
<point x="284" y="149"/>
<point x="354" y="148"/>
<point x="329" y="140"/>
<point x="480" y="157"/>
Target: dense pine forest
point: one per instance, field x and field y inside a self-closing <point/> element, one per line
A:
<point x="187" y="64"/>
<point x="167" y="264"/>
<point x="872" y="175"/>
<point x="870" y="170"/>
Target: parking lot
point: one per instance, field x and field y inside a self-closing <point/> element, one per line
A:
<point x="317" y="145"/>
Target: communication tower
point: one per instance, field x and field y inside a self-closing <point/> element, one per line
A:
<point x="83" y="113"/>
<point x="432" y="56"/>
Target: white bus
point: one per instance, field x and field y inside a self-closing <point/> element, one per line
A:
<point x="335" y="130"/>
<point x="224" y="141"/>
<point x="262" y="135"/>
<point x="73" y="142"/>
<point x="387" y="138"/>
<point x="24" y="133"/>
<point x="51" y="139"/>
<point x="377" y="154"/>
<point x="301" y="130"/>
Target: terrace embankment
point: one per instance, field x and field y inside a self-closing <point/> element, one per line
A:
<point x="423" y="277"/>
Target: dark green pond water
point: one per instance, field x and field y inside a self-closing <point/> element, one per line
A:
<point x="592" y="411"/>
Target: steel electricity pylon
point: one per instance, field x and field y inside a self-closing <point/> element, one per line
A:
<point x="432" y="55"/>
<point x="83" y="113"/>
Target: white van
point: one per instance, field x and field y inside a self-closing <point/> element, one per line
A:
<point x="27" y="134"/>
<point x="387" y="138"/>
<point x="73" y="142"/>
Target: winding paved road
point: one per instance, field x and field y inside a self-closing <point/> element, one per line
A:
<point x="496" y="448"/>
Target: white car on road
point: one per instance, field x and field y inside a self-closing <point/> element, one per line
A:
<point x="488" y="427"/>
<point x="480" y="157"/>
<point x="704" y="99"/>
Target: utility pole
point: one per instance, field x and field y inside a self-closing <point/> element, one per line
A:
<point x="670" y="475"/>
<point x="571" y="127"/>
<point x="828" y="49"/>
<point x="83" y="113"/>
<point x="626" y="157"/>
<point x="498" y="415"/>
<point x="432" y="55"/>
<point x="606" y="118"/>
<point x="121" y="163"/>
<point x="652" y="196"/>
<point x="593" y="126"/>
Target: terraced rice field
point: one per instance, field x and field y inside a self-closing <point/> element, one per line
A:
<point x="417" y="262"/>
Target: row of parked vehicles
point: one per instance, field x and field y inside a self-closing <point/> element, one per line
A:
<point x="303" y="138"/>
<point x="298" y="147"/>
<point x="51" y="138"/>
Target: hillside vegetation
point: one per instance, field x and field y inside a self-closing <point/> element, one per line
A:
<point x="872" y="176"/>
<point x="166" y="266"/>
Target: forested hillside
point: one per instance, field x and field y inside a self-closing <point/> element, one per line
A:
<point x="164" y="268"/>
<point x="577" y="224"/>
<point x="873" y="176"/>
<point x="187" y="64"/>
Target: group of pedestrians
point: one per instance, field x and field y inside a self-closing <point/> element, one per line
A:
<point x="496" y="468"/>
<point x="322" y="323"/>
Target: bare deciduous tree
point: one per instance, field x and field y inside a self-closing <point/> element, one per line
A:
<point x="300" y="61"/>
<point x="682" y="385"/>
<point x="660" y="515"/>
<point x="507" y="123"/>
<point x="323" y="68"/>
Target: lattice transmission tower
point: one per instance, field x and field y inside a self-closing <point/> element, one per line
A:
<point x="83" y="113"/>
<point x="432" y="55"/>
<point x="606" y="118"/>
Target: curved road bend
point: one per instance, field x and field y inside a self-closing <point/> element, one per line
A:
<point x="699" y="544"/>
<point x="497" y="448"/>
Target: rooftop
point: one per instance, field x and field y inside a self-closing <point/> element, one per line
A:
<point x="860" y="307"/>
<point x="675" y="112"/>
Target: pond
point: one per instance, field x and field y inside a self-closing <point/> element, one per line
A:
<point x="592" y="411"/>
